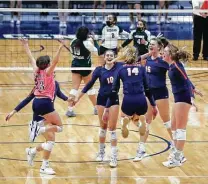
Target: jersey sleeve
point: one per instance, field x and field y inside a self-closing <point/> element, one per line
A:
<point x="126" y="42"/>
<point x="59" y="93"/>
<point x="184" y="76"/>
<point x="24" y="102"/>
<point x="148" y="35"/>
<point x="90" y="46"/>
<point x="95" y="76"/>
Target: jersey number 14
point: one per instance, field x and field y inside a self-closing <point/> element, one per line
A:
<point x="131" y="71"/>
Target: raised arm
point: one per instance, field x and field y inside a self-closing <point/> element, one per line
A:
<point x="51" y="68"/>
<point x="27" y="49"/>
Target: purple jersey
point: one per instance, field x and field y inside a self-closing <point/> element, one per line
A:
<point x="156" y="72"/>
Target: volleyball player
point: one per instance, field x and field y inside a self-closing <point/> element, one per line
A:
<point x="182" y="98"/>
<point x="81" y="48"/>
<point x="140" y="38"/>
<point x="134" y="103"/>
<point x="110" y="33"/>
<point x="27" y="100"/>
<point x="105" y="75"/>
<point x="44" y="92"/>
<point x="156" y="70"/>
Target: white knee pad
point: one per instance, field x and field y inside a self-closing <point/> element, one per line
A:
<point x="92" y="92"/>
<point x="73" y="92"/>
<point x="59" y="128"/>
<point x="180" y="134"/>
<point x="102" y="133"/>
<point x="48" y="145"/>
<point x="167" y="124"/>
<point x="113" y="135"/>
<point x="174" y="135"/>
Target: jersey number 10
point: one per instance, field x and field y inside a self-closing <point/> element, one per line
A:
<point x="110" y="80"/>
<point x="134" y="71"/>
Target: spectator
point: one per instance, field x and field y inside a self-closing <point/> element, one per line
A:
<point x="63" y="4"/>
<point x="200" y="29"/>
<point x="96" y="3"/>
<point x="137" y="5"/>
<point x="163" y="4"/>
<point x="15" y="4"/>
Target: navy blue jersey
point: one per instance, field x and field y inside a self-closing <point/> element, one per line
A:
<point x="134" y="81"/>
<point x="58" y="93"/>
<point x="178" y="78"/>
<point x="106" y="78"/>
<point x="156" y="72"/>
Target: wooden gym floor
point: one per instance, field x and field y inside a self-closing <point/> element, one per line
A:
<point x="73" y="157"/>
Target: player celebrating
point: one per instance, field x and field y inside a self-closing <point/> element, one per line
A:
<point x="105" y="74"/>
<point x="140" y="37"/>
<point x="134" y="103"/>
<point x="81" y="48"/>
<point x="182" y="98"/>
<point x="43" y="106"/>
<point x="110" y="34"/>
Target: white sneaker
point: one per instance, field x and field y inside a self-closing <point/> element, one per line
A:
<point x="93" y="20"/>
<point x="33" y="132"/>
<point x="70" y="114"/>
<point x="12" y="21"/>
<point x="182" y="158"/>
<point x="124" y="128"/>
<point x="172" y="163"/>
<point x="132" y="26"/>
<point x="47" y="170"/>
<point x="113" y="162"/>
<point x="172" y="155"/>
<point x="30" y="156"/>
<point x="141" y="153"/>
<point x="100" y="156"/>
<point x="139" y="156"/>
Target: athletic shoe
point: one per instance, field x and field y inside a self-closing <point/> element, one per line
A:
<point x="30" y="156"/>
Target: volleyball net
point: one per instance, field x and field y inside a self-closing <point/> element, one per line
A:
<point x="43" y="30"/>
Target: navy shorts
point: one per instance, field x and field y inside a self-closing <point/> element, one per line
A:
<point x="134" y="104"/>
<point x="183" y="96"/>
<point x="160" y="93"/>
<point x="37" y="118"/>
<point x="83" y="73"/>
<point x="102" y="100"/>
<point x="103" y="49"/>
<point x="42" y="106"/>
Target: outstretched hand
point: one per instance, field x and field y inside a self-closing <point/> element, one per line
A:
<point x="197" y="92"/>
<point x="23" y="40"/>
<point x="10" y="115"/>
